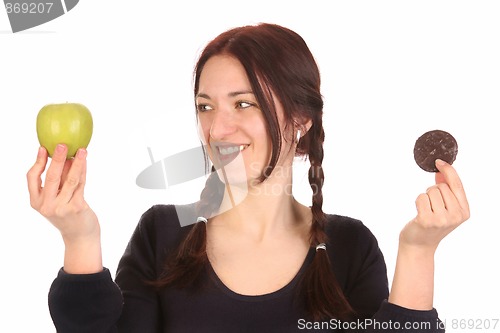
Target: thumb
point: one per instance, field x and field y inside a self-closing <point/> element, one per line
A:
<point x="440" y="177"/>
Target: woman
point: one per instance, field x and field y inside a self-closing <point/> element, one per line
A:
<point x="254" y="259"/>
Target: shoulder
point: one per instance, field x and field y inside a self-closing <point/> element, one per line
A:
<point x="158" y="232"/>
<point x="352" y="245"/>
<point x="165" y="224"/>
<point x="347" y="229"/>
<point x="168" y="216"/>
<point x="358" y="263"/>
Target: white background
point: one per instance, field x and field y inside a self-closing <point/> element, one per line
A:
<point x="391" y="70"/>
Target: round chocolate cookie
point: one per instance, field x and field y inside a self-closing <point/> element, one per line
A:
<point x="433" y="145"/>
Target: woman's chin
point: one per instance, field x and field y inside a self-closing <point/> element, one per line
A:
<point x="236" y="179"/>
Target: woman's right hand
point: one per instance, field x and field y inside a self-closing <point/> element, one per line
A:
<point x="60" y="200"/>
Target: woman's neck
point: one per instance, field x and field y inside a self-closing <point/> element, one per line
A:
<point x="265" y="209"/>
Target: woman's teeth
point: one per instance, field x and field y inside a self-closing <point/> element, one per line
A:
<point x="231" y="149"/>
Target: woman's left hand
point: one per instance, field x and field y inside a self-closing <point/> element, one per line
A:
<point x="440" y="210"/>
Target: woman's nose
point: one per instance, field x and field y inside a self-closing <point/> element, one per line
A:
<point x="223" y="125"/>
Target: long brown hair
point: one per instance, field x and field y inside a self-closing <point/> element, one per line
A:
<point x="276" y="60"/>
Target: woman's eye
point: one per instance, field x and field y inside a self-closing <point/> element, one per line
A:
<point x="203" y="107"/>
<point x="244" y="105"/>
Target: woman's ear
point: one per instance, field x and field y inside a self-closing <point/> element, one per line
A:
<point x="303" y="127"/>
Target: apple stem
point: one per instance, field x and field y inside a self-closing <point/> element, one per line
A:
<point x="151" y="155"/>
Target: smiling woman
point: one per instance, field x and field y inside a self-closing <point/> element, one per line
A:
<point x="264" y="262"/>
<point x="230" y="120"/>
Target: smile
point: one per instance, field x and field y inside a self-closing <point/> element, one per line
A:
<point x="228" y="150"/>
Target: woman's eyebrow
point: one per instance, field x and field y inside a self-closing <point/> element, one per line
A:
<point x="236" y="93"/>
<point x="202" y="95"/>
<point x="231" y="94"/>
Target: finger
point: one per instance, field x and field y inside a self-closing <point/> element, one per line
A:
<point x="436" y="199"/>
<point x="78" y="199"/>
<point x="83" y="179"/>
<point x="66" y="168"/>
<point x="74" y="177"/>
<point x="450" y="177"/>
<point x="449" y="199"/>
<point x="54" y="172"/>
<point x="423" y="205"/>
<point x="34" y="174"/>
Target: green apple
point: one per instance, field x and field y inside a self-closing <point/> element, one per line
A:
<point x="68" y="123"/>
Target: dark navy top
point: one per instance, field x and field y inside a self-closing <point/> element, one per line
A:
<point x="95" y="303"/>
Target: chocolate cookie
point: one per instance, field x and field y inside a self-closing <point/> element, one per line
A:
<point x="433" y="145"/>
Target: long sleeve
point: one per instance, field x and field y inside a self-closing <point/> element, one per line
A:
<point x="366" y="286"/>
<point x="393" y="318"/>
<point x="94" y="303"/>
<point x="85" y="302"/>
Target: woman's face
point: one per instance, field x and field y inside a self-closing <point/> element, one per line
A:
<point x="231" y="124"/>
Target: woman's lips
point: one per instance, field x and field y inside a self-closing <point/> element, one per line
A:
<point x="225" y="153"/>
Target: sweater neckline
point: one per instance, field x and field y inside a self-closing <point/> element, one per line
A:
<point x="258" y="298"/>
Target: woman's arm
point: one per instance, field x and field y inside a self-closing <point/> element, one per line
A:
<point x="83" y="297"/>
<point x="60" y="200"/>
<point x="95" y="303"/>
<point x="410" y="303"/>
<point x="440" y="210"/>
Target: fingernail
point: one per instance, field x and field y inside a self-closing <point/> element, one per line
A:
<point x="81" y="153"/>
<point x="40" y="151"/>
<point x="60" y="148"/>
<point x="440" y="162"/>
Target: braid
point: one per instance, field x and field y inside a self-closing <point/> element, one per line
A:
<point x="319" y="287"/>
<point x="183" y="268"/>
<point x="211" y="196"/>
<point x="316" y="179"/>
